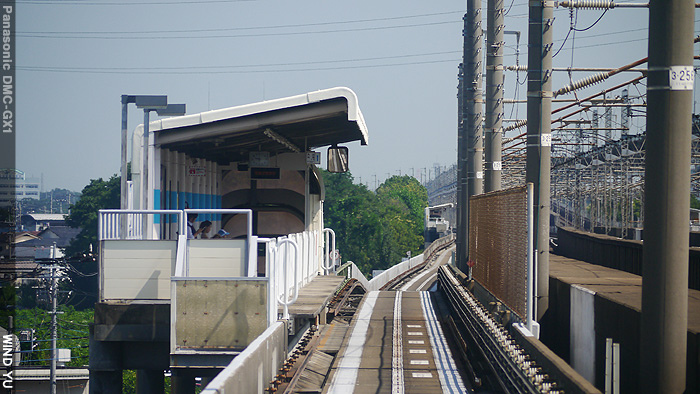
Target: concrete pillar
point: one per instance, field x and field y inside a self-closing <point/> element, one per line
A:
<point x="105" y="366"/>
<point x="664" y="323"/>
<point x="182" y="382"/>
<point x="150" y="381"/>
<point x="106" y="382"/>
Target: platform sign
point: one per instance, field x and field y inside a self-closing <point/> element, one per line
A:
<point x="313" y="157"/>
<point x="264" y="173"/>
<point x="259" y="159"/>
<point x="196" y="171"/>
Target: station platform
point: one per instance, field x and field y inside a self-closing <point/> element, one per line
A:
<point x="614" y="312"/>
<point x="395" y="345"/>
<point x="315" y="296"/>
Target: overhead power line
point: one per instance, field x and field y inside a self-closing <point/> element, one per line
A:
<point x="334" y="23"/>
<point x="275" y="34"/>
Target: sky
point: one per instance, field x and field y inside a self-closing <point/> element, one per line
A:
<point x="75" y="58"/>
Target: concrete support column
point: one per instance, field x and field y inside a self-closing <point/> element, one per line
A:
<point x="539" y="135"/>
<point x="105" y="362"/>
<point x="106" y="382"/>
<point x="494" y="95"/>
<point x="667" y="197"/>
<point x="182" y="382"/>
<point x="150" y="381"/>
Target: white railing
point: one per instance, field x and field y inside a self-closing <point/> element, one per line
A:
<point x="330" y="254"/>
<point x="292" y="262"/>
<point x="113" y="224"/>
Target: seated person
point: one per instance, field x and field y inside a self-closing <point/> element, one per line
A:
<point x="222" y="234"/>
<point x="204" y="229"/>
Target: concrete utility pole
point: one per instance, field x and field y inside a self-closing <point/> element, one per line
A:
<point x="667" y="197"/>
<point x="473" y="100"/>
<point x="493" y="131"/>
<point x="470" y="170"/>
<point x="539" y="135"/>
<point x="462" y="200"/>
<point x="53" y="293"/>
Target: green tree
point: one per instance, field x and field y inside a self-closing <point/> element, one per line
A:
<point x="72" y="334"/>
<point x="694" y="202"/>
<point x="98" y="194"/>
<point x="375" y="230"/>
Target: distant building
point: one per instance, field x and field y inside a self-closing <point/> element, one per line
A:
<point x="46" y="244"/>
<point x="14" y="185"/>
<point x="36" y="380"/>
<point x="40" y="221"/>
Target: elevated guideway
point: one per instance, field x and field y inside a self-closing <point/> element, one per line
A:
<point x="396" y="345"/>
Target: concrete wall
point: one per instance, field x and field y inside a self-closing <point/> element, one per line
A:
<point x="254" y="368"/>
<point x="621" y="254"/>
<point x="619" y="319"/>
<point x="217" y="314"/>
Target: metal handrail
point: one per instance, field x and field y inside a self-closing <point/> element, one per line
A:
<point x="285" y="301"/>
<point x="326" y="267"/>
<point x="102" y="212"/>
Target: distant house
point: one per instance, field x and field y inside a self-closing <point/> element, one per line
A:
<point x="41" y="245"/>
<point x="40" y="221"/>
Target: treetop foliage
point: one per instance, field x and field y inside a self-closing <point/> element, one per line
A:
<point x="375" y="230"/>
<point x="98" y="194"/>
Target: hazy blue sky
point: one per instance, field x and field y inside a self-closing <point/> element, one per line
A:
<point x="76" y="57"/>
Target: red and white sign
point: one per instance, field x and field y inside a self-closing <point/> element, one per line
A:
<point x="196" y="171"/>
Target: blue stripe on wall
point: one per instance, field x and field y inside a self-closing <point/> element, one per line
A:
<point x="156" y="204"/>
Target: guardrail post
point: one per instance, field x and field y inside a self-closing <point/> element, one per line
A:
<point x="285" y="301"/>
<point x="328" y="266"/>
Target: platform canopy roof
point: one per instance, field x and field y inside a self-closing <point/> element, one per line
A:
<point x="297" y="123"/>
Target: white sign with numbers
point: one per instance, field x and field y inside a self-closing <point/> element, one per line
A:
<point x="681" y="77"/>
<point x="546" y="139"/>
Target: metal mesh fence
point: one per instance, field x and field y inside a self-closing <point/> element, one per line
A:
<point x="498" y="245"/>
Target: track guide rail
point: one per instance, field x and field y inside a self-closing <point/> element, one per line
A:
<point x="515" y="370"/>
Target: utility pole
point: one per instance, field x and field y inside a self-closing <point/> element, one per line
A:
<point x="664" y="322"/>
<point x="53" y="292"/>
<point x="462" y="200"/>
<point x="539" y="135"/>
<point x="470" y="140"/>
<point x="472" y="99"/>
<point x="493" y="131"/>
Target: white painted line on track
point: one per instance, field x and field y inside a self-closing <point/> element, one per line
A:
<point x="414" y="333"/>
<point x="346" y="375"/>
<point x="422" y="375"/>
<point x="414" y="280"/>
<point x="414" y="326"/>
<point x="417" y="351"/>
<point x="397" y="383"/>
<point x="420" y="362"/>
<point x="450" y="380"/>
<point x="437" y="262"/>
<point x="416" y="342"/>
<point x="430" y="279"/>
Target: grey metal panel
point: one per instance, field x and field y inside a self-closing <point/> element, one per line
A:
<point x="217" y="257"/>
<point x="218" y="314"/>
<point x="135" y="269"/>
